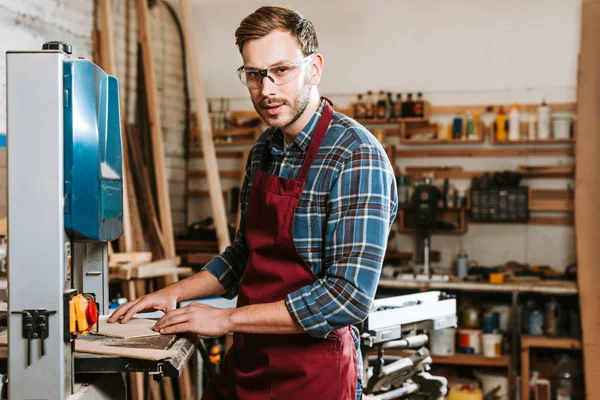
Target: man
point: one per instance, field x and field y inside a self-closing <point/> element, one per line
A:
<point x="318" y="200"/>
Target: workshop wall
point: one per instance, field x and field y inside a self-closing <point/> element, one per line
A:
<point x="468" y="52"/>
<point x="26" y="24"/>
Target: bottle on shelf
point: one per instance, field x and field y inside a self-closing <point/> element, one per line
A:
<point x="457" y="128"/>
<point x="381" y="105"/>
<point x="531" y="134"/>
<point x="360" y="108"/>
<point x="500" y="125"/>
<point x="389" y="106"/>
<point x="476" y="125"/>
<point x="419" y="106"/>
<point x="553" y="316"/>
<point x="370" y="114"/>
<point x="397" y="107"/>
<point x="543" y="119"/>
<point x="407" y="107"/>
<point x="403" y="186"/>
<point x="469" y="125"/>
<point x="227" y="120"/>
<point x="565" y="380"/>
<point x="514" y="132"/>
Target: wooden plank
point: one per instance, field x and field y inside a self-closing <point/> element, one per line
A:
<point x="185" y="385"/>
<point x="155" y="268"/>
<point x="109" y="64"/>
<point x="461" y="109"/>
<point x="162" y="189"/>
<point x="524" y="372"/>
<point x="219" y="213"/>
<point x="565" y="288"/>
<point x="196" y="245"/>
<point x="203" y="194"/>
<point x="220" y="154"/>
<point x="542" y="342"/>
<point x="137" y="385"/>
<point x="134" y="328"/>
<point x="199" y="258"/>
<point x="96" y="347"/>
<point x="587" y="185"/>
<point x="492" y="153"/>
<point x="142" y="256"/>
<point x="167" y="385"/>
<point x="550" y="200"/>
<point x="152" y="229"/>
<point x="561" y="220"/>
<point x="223" y="174"/>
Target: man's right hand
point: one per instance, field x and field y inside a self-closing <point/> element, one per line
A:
<point x="163" y="300"/>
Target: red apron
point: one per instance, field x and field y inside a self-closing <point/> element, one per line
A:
<point x="288" y="367"/>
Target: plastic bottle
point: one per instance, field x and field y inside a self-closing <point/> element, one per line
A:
<point x="403" y="198"/>
<point x="360" y="109"/>
<point x="531" y="134"/>
<point x="476" y="125"/>
<point x="543" y="118"/>
<point x="501" y="134"/>
<point x="469" y="125"/>
<point x="564" y="379"/>
<point x="370" y="105"/>
<point x="513" y="123"/>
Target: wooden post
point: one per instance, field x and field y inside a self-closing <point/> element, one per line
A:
<point x="132" y="232"/>
<point x="162" y="188"/>
<point x="206" y="136"/>
<point x="587" y="191"/>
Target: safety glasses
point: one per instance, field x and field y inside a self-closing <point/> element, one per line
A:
<point x="279" y="74"/>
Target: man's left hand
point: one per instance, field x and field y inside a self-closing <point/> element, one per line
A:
<point x="196" y="318"/>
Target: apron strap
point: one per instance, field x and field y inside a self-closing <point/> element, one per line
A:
<point x="317" y="139"/>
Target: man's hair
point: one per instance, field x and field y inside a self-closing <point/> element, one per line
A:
<point x="267" y="19"/>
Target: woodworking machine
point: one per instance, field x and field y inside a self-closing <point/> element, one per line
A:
<point x="402" y="322"/>
<point x="65" y="204"/>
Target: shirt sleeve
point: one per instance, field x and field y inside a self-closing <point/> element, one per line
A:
<point x="228" y="267"/>
<point x="361" y="208"/>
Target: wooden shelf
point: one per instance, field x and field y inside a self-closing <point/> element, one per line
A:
<point x="566" y="288"/>
<point x="234" y="132"/>
<point x="492" y="153"/>
<point x="459" y="212"/>
<point x="521" y="142"/>
<point x="441" y="141"/>
<point x="223" y="174"/>
<point x="460" y="359"/>
<point x="461" y="109"/>
<point x="243" y="142"/>
<point x="544" y="342"/>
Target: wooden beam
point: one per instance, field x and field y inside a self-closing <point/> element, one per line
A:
<point x="587" y="185"/>
<point x="492" y="153"/>
<point x="162" y="188"/>
<point x="220" y="154"/>
<point x="219" y="213"/>
<point x="109" y="64"/>
<point x="223" y="174"/>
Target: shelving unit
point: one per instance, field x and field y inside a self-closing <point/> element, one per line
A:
<point x="458" y="214"/>
<point x="461" y="359"/>
<point x="529" y="342"/>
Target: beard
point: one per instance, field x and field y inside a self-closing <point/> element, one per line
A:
<point x="283" y="120"/>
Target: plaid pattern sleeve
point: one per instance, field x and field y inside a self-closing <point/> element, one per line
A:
<point x="228" y="267"/>
<point x="361" y="206"/>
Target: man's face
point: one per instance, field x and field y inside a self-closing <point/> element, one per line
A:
<point x="278" y="105"/>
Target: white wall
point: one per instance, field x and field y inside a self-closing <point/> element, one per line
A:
<point x="455" y="52"/>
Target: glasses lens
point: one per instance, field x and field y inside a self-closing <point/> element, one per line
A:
<point x="283" y="74"/>
<point x="250" y="78"/>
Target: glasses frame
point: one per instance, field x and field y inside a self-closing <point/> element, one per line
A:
<point x="264" y="73"/>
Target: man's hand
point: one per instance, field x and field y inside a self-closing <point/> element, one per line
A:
<point x="196" y="318"/>
<point x="163" y="300"/>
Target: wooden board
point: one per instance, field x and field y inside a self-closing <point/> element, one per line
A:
<point x="587" y="185"/>
<point x="158" y="152"/>
<point x="135" y="328"/>
<point x="96" y="347"/>
<point x="219" y="213"/>
<point x="504" y="152"/>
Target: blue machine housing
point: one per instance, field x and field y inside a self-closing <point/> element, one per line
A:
<point x="92" y="153"/>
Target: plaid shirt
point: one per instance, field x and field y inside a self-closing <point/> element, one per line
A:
<point x="341" y="224"/>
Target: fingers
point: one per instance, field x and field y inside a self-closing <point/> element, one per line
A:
<point x="179" y="328"/>
<point x="139" y="306"/>
<point x="171" y="318"/>
<point x="119" y="312"/>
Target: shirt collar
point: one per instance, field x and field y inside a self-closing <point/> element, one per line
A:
<point x="302" y="141"/>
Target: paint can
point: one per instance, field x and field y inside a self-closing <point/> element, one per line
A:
<point x="443" y="342"/>
<point x="490" y="382"/>
<point x="469" y="341"/>
<point x="492" y="344"/>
